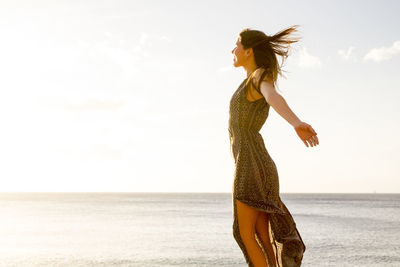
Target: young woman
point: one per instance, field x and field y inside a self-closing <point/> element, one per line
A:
<point x="262" y="225"/>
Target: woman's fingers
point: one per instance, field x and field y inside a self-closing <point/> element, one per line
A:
<point x="310" y="142"/>
<point x="316" y="139"/>
<point x="313" y="140"/>
<point x="307" y="134"/>
<point x="305" y="143"/>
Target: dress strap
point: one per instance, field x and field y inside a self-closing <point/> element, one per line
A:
<point x="260" y="80"/>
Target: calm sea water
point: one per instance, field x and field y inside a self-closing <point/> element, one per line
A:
<point x="187" y="229"/>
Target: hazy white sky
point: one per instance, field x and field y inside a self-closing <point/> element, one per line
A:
<point x="134" y="95"/>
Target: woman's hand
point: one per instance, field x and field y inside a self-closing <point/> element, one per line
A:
<point x="306" y="134"/>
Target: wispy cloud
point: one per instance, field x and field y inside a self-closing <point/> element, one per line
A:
<point x="306" y="60"/>
<point x="383" y="53"/>
<point x="347" y="54"/>
<point x="118" y="49"/>
<point x="147" y="40"/>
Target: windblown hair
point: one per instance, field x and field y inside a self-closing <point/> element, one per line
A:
<point x="265" y="49"/>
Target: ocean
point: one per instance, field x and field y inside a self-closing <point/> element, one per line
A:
<point x="187" y="229"/>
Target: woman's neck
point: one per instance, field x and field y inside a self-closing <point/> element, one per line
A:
<point x="250" y="69"/>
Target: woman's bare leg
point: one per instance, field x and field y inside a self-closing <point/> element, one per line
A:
<point x="247" y="217"/>
<point x="262" y="226"/>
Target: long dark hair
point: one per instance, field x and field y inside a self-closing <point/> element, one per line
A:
<point x="265" y="49"/>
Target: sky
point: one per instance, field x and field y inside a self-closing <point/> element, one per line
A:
<point x="133" y="96"/>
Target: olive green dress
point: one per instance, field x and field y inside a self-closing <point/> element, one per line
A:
<point x="256" y="181"/>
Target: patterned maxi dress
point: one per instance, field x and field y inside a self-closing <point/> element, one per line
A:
<point x="256" y="180"/>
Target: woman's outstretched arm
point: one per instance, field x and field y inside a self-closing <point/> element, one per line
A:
<point x="275" y="100"/>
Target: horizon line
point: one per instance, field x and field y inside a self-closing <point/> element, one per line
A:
<point x="186" y="192"/>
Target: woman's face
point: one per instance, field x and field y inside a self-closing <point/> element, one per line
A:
<point x="239" y="56"/>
